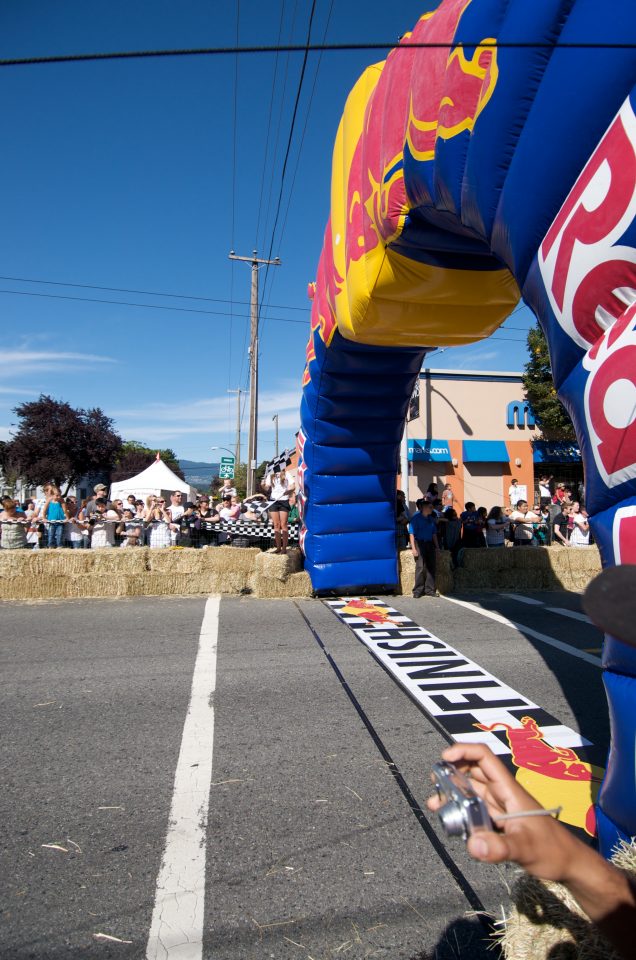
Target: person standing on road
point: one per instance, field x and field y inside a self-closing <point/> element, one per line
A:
<point x="425" y="547"/>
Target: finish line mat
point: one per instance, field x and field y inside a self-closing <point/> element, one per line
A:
<point x="471" y="705"/>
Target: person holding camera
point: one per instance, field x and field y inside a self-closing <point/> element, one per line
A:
<point x="542" y="846"/>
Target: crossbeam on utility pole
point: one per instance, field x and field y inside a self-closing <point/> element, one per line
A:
<point x="256" y="262"/>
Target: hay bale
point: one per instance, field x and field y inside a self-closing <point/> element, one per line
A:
<point x="237" y="560"/>
<point x="171" y="584"/>
<point x="278" y="566"/>
<point x="546" y="921"/>
<point x="295" y="585"/>
<point x="131" y="560"/>
<point x="231" y="582"/>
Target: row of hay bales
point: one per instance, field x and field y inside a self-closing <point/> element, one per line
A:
<point x="68" y="574"/>
<point x="71" y="574"/>
<point x="528" y="568"/>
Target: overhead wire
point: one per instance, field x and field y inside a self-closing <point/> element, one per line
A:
<point x="234" y="138"/>
<point x="288" y="148"/>
<point x="304" y="131"/>
<point x="269" y="127"/>
<point x="309" y="48"/>
<point x="145" y="293"/>
<point x="245" y="354"/>
<point x="145" y="306"/>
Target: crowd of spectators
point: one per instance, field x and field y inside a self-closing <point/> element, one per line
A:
<point x="55" y="521"/>
<point x="436" y="525"/>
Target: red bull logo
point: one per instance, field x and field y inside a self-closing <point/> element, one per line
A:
<point x="581" y="254"/>
<point x="624" y="535"/>
<point x="369" y="611"/>
<point x="415" y="107"/>
<point x="323" y="295"/>
<point x="610" y="400"/>
<point x="555" y="776"/>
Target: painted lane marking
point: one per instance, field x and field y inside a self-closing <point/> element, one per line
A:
<point x="573" y="614"/>
<point x="176" y="930"/>
<point x="563" y="611"/>
<point x="528" y="631"/>
<point x="520" y="599"/>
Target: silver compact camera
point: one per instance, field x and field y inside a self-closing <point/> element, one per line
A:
<point x="462" y="812"/>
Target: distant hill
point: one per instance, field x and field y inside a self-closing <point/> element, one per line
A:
<point x="199" y="473"/>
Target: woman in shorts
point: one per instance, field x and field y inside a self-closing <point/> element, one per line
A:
<point x="280" y="487"/>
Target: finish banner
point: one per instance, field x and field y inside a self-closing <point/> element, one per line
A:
<point x="471" y="705"/>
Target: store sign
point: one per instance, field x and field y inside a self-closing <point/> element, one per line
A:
<point x="428" y="450"/>
<point x="519" y="413"/>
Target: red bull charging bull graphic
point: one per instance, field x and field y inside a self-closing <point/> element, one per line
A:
<point x="490" y="156"/>
<point x="552" y="762"/>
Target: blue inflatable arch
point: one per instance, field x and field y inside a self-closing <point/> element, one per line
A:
<point x="499" y="162"/>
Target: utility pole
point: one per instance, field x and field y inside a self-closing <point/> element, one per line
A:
<point x="237" y="454"/>
<point x="251" y="441"/>
<point x="275" y="419"/>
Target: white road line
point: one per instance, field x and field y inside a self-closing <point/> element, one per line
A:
<point x="176" y="930"/>
<point x="562" y="611"/>
<point x="520" y="599"/>
<point x="544" y="638"/>
<point x="573" y="614"/>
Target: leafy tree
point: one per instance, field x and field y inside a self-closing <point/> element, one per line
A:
<point x="135" y="457"/>
<point x="58" y="443"/>
<point x="551" y="416"/>
<point x="7" y="468"/>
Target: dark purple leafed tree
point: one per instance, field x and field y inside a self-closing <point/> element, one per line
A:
<point x="55" y="442"/>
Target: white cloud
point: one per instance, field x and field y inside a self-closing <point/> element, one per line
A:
<point x="18" y="362"/>
<point x="213" y="417"/>
<point x="18" y="391"/>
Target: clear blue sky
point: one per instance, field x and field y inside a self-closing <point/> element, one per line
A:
<point x="143" y="174"/>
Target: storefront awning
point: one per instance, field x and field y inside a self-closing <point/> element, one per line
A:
<point x="555" y="451"/>
<point x="485" y="451"/>
<point x="428" y="450"/>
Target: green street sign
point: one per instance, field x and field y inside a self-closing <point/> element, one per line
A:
<point x="226" y="471"/>
<point x="227" y="460"/>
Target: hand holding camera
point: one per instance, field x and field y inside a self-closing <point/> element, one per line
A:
<point x="526" y="834"/>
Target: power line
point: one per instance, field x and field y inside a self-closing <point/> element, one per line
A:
<point x="236" y="75"/>
<point x="307" y="48"/>
<point x="304" y="131"/>
<point x="289" y="143"/>
<point x="145" y="306"/>
<point x="145" y="293"/>
<point x="269" y="128"/>
<point x="291" y="134"/>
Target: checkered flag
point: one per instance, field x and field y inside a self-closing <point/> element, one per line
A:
<point x="279" y="463"/>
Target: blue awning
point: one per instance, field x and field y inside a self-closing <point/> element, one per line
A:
<point x="555" y="451"/>
<point x="428" y="450"/>
<point x="485" y="451"/>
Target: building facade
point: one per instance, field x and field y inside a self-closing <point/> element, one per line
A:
<point x="474" y="430"/>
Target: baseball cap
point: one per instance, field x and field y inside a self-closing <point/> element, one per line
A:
<point x="99" y="486"/>
<point x="609" y="602"/>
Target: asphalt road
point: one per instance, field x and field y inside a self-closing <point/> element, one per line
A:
<point x="312" y="847"/>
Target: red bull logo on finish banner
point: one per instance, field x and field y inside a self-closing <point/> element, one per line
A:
<point x="471" y="705"/>
<point x="538" y="763"/>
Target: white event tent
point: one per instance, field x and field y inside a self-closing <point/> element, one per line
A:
<point x="156" y="479"/>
